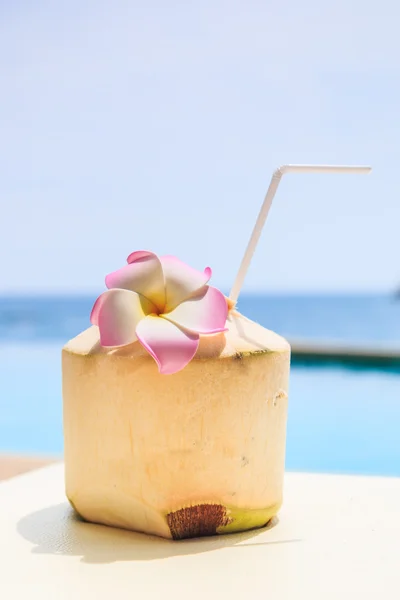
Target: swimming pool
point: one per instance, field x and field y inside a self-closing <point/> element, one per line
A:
<point x="340" y="420"/>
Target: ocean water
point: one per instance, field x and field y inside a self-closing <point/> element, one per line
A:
<point x="355" y="319"/>
<point x="343" y="420"/>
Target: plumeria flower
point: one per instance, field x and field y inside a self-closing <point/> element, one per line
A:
<point x="164" y="304"/>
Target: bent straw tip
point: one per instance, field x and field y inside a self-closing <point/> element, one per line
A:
<point x="298" y="168"/>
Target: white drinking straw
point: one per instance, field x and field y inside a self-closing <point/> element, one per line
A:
<point x="262" y="217"/>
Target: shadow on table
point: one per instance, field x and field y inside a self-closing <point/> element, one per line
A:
<point x="58" y="530"/>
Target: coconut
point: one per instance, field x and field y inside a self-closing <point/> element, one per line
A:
<point x="199" y="452"/>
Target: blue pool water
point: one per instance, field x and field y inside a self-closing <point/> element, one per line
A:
<point x="340" y="420"/>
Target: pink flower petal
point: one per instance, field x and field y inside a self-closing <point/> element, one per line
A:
<point x="117" y="313"/>
<point x="94" y="315"/>
<point x="171" y="347"/>
<point x="181" y="281"/>
<point x="138" y="254"/>
<point x="143" y="275"/>
<point x="206" y="312"/>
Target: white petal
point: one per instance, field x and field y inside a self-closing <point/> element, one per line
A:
<point x="181" y="281"/>
<point x="144" y="275"/>
<point x="206" y="312"/>
<point x="117" y="314"/>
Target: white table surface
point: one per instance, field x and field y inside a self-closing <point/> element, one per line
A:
<point x="337" y="537"/>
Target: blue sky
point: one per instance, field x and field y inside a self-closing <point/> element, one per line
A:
<point x="156" y="125"/>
